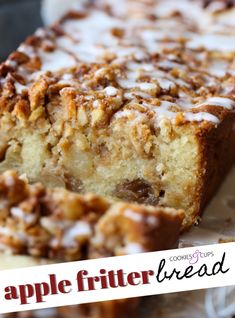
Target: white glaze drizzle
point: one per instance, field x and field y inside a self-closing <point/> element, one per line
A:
<point x="220" y="102"/>
<point x="80" y="229"/>
<point x="111" y="91"/>
<point x="90" y="39"/>
<point x="134" y="216"/>
<point x="133" y="248"/>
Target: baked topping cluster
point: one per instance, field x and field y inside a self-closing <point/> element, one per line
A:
<point x="100" y="67"/>
<point x="62" y="225"/>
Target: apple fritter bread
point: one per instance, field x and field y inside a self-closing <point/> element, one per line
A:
<point x="137" y="107"/>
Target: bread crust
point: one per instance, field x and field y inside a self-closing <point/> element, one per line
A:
<point x="218" y="156"/>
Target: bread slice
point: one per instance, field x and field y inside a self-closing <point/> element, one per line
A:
<point x="40" y="225"/>
<point x="61" y="225"/>
<point x="126" y="107"/>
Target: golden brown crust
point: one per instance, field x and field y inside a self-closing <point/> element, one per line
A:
<point x="218" y="156"/>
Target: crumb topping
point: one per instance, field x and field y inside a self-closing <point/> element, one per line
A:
<point x="101" y="66"/>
